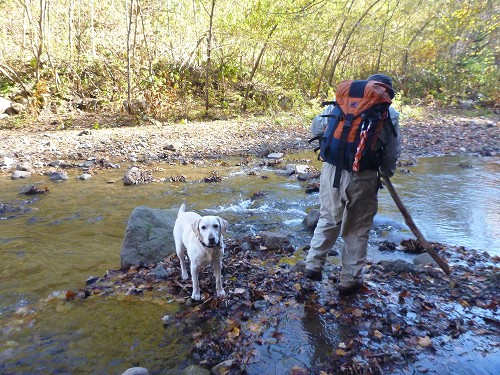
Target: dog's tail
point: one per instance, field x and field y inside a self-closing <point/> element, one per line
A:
<point x="181" y="209"/>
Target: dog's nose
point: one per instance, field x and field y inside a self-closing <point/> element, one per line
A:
<point x="211" y="241"/>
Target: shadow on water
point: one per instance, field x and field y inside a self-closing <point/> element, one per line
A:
<point x="56" y="241"/>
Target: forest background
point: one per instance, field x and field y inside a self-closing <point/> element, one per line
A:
<point x="189" y="59"/>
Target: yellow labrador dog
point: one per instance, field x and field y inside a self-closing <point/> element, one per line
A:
<point x="202" y="237"/>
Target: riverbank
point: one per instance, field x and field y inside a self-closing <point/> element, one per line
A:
<point x="110" y="139"/>
<point x="408" y="319"/>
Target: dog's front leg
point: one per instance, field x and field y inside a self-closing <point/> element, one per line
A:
<point x="218" y="278"/>
<point x="196" y="286"/>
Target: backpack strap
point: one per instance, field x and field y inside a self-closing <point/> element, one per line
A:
<point x="348" y="120"/>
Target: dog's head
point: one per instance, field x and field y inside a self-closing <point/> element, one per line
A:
<point x="209" y="230"/>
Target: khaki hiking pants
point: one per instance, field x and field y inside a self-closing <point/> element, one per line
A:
<point x="348" y="211"/>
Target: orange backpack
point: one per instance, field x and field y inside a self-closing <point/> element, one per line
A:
<point x="350" y="138"/>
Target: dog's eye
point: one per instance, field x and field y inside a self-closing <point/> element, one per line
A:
<point x="203" y="227"/>
<point x="216" y="226"/>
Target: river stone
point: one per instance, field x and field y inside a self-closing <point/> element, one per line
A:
<point x="20" y="174"/>
<point x="311" y="219"/>
<point x="7" y="162"/>
<point x="425" y="259"/>
<point x="24" y="166"/>
<point x="136" y="371"/>
<point x="148" y="237"/>
<point x="275" y="155"/>
<point x="275" y="241"/>
<point x="58" y="176"/>
<point x="195" y="370"/>
<point x="397" y="266"/>
<point x="4" y="104"/>
<point x="85" y="176"/>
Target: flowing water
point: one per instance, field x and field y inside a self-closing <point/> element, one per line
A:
<point x="53" y="242"/>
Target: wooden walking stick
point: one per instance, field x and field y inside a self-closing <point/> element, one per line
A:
<point x="409" y="221"/>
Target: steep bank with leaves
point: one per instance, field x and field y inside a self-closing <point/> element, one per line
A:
<point x="184" y="59"/>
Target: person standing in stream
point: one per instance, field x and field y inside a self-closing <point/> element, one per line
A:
<point x="349" y="209"/>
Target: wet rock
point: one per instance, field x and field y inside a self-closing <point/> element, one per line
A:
<point x="397" y="266"/>
<point x="58" y="176"/>
<point x="195" y="370"/>
<point x="136" y="371"/>
<point x="312" y="188"/>
<point x="160" y="272"/>
<point x="16" y="175"/>
<point x="222" y="368"/>
<point x="275" y="241"/>
<point x="55" y="163"/>
<point x="135" y="176"/>
<point x="425" y="259"/>
<point x="32" y="189"/>
<point x="311" y="219"/>
<point x="166" y="320"/>
<point x="148" y="237"/>
<point x="85" y="176"/>
<point x="91" y="280"/>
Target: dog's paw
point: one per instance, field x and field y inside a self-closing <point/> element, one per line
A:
<point x="221" y="293"/>
<point x="196" y="296"/>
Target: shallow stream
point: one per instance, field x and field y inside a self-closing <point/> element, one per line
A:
<point x="53" y="242"/>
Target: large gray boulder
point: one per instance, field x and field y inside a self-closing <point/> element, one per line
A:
<point x="148" y="237"/>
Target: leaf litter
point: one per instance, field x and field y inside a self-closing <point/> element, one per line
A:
<point x="401" y="313"/>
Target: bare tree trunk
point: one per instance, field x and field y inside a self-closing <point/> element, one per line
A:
<point x="71" y="12"/>
<point x="209" y="52"/>
<point x="382" y="40"/>
<point x="92" y="29"/>
<point x="145" y="36"/>
<point x="129" y="58"/>
<point x="41" y="31"/>
<point x="334" y="44"/>
<point x="346" y="41"/>
<point x="405" y="62"/>
<point x="256" y="65"/>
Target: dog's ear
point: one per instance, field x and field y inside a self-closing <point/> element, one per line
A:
<point x="223" y="224"/>
<point x="196" y="229"/>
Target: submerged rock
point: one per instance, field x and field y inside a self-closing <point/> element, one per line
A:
<point x="148" y="237"/>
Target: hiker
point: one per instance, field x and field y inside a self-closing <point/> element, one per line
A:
<point x="349" y="209"/>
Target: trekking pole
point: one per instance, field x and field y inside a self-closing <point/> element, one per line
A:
<point x="409" y="221"/>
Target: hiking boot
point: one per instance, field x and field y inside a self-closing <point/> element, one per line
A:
<point x="350" y="290"/>
<point x="313" y="275"/>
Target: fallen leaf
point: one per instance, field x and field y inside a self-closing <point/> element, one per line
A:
<point x="341" y="353"/>
<point x="424" y="341"/>
<point x="70" y="295"/>
<point x="463" y="303"/>
<point x="253" y="327"/>
<point x="378" y="334"/>
<point x="404" y="294"/>
<point x="357" y="313"/>
<point x="235" y="332"/>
